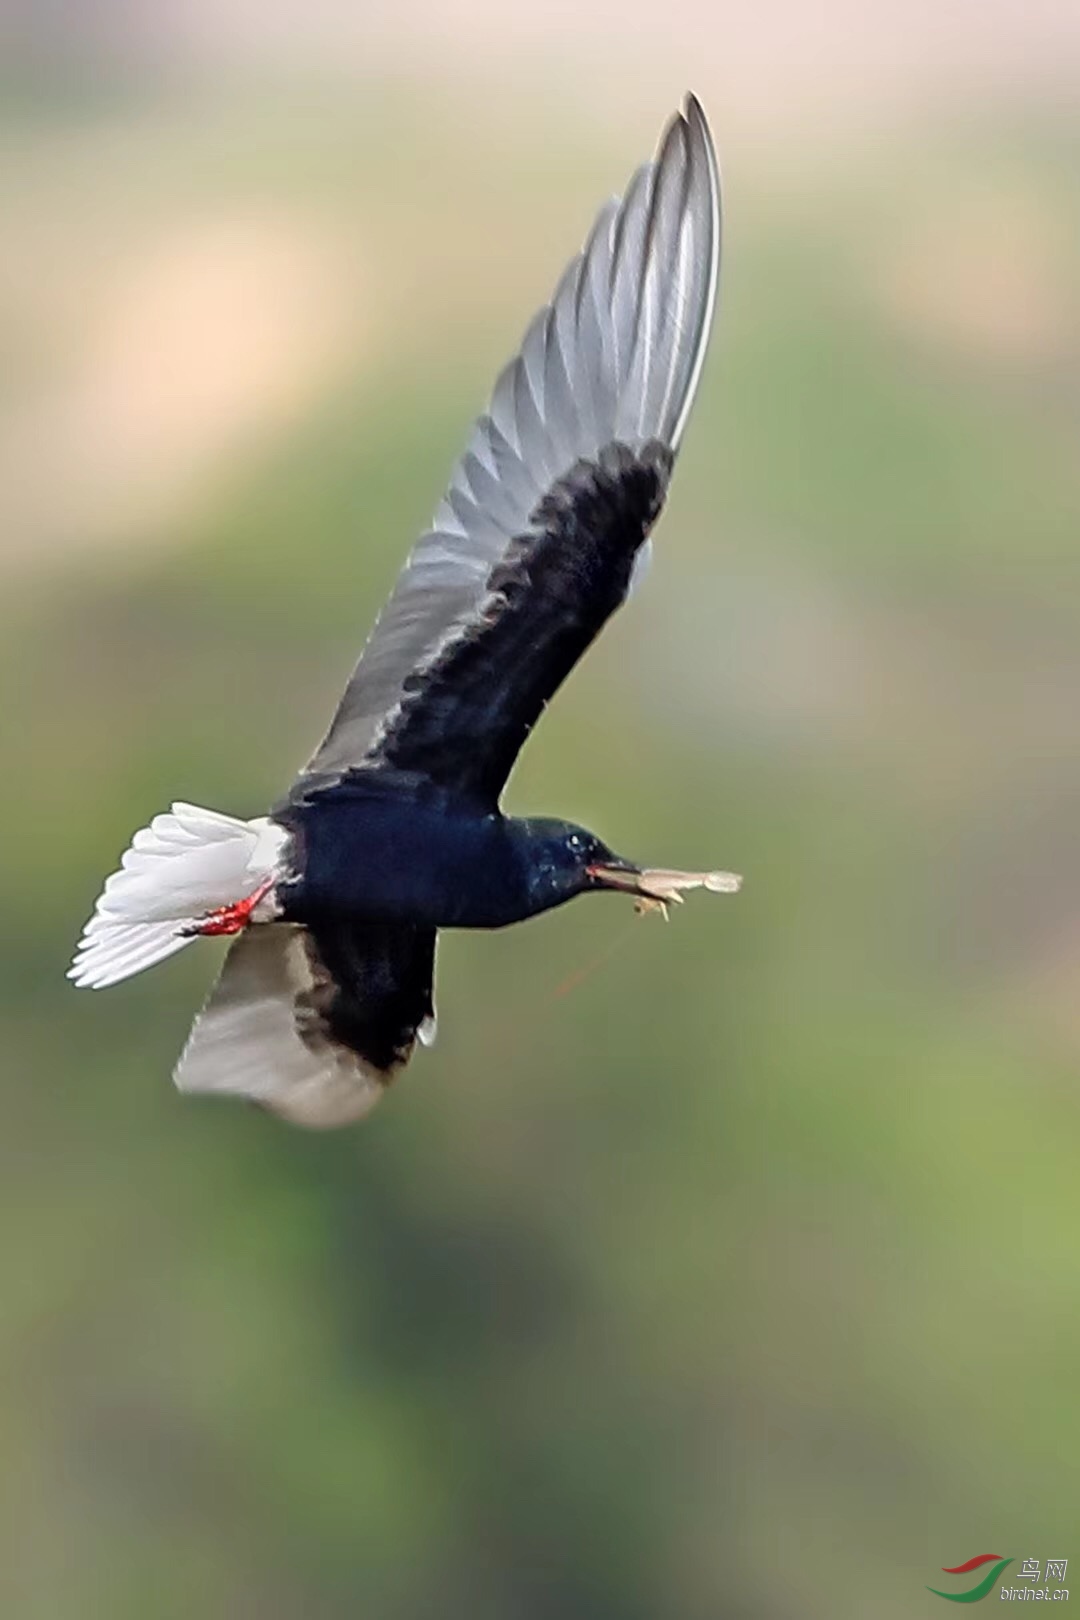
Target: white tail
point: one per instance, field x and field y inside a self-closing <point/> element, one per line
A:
<point x="188" y="862"/>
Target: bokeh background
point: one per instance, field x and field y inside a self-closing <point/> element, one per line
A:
<point x="730" y="1269"/>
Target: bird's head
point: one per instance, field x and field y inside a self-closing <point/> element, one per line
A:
<point x="565" y="860"/>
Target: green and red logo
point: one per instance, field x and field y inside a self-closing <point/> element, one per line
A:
<point x="1032" y="1571"/>
<point x="980" y="1589"/>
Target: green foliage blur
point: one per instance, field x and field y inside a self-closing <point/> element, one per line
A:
<point x="725" y="1269"/>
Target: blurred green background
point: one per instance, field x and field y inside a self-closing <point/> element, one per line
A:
<point x="730" y="1269"/>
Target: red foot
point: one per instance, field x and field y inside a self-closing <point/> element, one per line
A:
<point x="231" y="919"/>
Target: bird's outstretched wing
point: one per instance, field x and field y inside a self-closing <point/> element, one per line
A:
<point x="534" y="544"/>
<point x="313" y="1024"/>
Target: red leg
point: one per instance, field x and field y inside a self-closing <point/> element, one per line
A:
<point x="231" y="919"/>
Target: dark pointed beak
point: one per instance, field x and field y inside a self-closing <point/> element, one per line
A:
<point x="616" y="874"/>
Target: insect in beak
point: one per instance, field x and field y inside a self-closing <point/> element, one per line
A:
<point x="655" y="888"/>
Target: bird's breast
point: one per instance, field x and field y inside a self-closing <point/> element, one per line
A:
<point x="417" y="860"/>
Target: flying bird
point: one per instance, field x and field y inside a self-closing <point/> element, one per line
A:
<point x="394" y="829"/>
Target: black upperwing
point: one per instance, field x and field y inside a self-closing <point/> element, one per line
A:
<point x="463" y="718"/>
<point x="532" y="547"/>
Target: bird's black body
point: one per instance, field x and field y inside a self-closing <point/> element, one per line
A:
<point x="384" y="848"/>
<point x="390" y="850"/>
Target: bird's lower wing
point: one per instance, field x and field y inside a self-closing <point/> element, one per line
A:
<point x="313" y="1025"/>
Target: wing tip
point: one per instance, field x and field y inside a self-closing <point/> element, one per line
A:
<point x="697" y="124"/>
<point x="693" y="118"/>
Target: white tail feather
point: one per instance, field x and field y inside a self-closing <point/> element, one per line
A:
<point x="188" y="862"/>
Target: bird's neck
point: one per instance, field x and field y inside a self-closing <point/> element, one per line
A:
<point x="548" y="878"/>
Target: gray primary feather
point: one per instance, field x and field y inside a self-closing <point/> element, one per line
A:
<point x="615" y="356"/>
